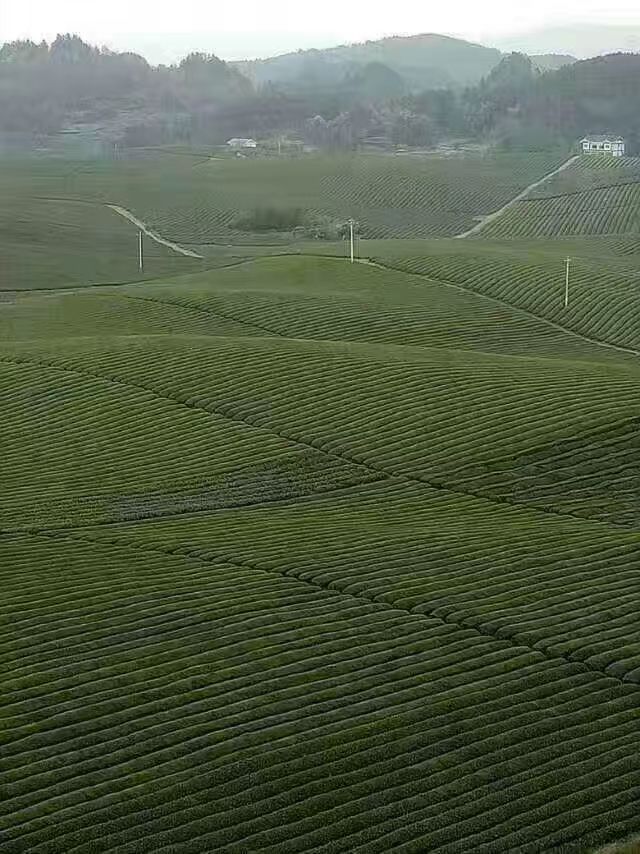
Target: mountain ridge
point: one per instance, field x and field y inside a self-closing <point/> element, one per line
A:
<point x="424" y="60"/>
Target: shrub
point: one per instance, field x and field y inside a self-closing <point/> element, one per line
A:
<point x="270" y="219"/>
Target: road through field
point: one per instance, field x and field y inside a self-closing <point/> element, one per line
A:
<point x="156" y="237"/>
<point x="491" y="217"/>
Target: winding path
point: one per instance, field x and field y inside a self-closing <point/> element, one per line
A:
<point x="151" y="234"/>
<point x="493" y="216"/>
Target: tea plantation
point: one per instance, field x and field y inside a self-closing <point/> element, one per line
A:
<point x="48" y="241"/>
<point x="304" y="556"/>
<point x="194" y="200"/>
<point x="596" y="196"/>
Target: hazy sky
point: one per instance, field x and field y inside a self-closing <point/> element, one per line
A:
<point x="165" y="30"/>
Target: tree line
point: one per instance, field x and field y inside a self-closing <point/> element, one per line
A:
<point x="45" y="88"/>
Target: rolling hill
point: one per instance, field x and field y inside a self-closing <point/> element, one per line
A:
<point x="300" y="555"/>
<point x="552" y="61"/>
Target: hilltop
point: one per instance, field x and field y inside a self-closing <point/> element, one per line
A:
<point x="424" y="61"/>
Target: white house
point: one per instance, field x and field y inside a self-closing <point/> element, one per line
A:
<point x="242" y="143"/>
<point x="604" y="144"/>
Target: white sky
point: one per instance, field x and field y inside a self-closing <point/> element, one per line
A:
<point x="166" y="29"/>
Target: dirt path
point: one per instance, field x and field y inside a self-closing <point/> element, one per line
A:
<point x="491" y="217"/>
<point x="151" y="234"/>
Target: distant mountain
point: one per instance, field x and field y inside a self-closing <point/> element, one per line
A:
<point x="580" y="40"/>
<point x="411" y="91"/>
<point x="423" y="61"/>
<point x="552" y="61"/>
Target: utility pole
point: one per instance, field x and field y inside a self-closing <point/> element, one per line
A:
<point x="140" y="252"/>
<point x="566" y="282"/>
<point x="352" y="225"/>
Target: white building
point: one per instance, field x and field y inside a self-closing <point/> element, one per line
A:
<point x="242" y="143"/>
<point x="604" y="144"/>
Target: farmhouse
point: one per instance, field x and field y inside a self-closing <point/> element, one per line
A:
<point x="604" y="144"/>
<point x="242" y="143"/>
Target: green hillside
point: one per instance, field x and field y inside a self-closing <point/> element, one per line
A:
<point x="55" y="243"/>
<point x="300" y="555"/>
<point x="389" y="196"/>
<point x="303" y="555"/>
<point x="604" y="298"/>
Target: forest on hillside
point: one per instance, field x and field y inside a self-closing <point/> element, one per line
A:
<point x="46" y="89"/>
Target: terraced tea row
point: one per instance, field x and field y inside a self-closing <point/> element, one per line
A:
<point x="84" y="446"/>
<point x="604" y="300"/>
<point x="316" y="719"/>
<point x="505" y="571"/>
<point x="49" y="243"/>
<point x="277" y="406"/>
<point x="591" y="172"/>
<point x="595" y="196"/>
<point x="330" y="300"/>
<point x="391" y="196"/>
<point x="97" y="312"/>
<point x="611" y="210"/>
<point x="304" y="556"/>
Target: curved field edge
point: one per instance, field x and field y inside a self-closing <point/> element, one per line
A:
<point x="603" y="299"/>
<point x="62" y="243"/>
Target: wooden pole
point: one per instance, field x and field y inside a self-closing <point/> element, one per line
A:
<point x="352" y="225"/>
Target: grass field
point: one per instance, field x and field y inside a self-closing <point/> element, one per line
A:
<point x="304" y="556"/>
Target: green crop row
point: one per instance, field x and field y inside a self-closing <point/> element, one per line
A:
<point x="370" y="715"/>
<point x="608" y="210"/>
<point x="196" y="204"/>
<point x="305" y="556"/>
<point x="603" y="297"/>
